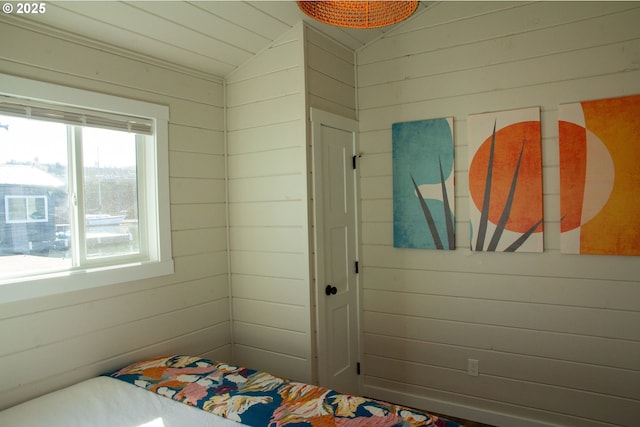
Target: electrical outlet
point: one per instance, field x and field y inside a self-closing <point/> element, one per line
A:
<point x="472" y="367"/>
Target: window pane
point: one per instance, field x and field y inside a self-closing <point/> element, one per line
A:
<point x="15" y="209"/>
<point x="34" y="197"/>
<point x="37" y="209"/>
<point x="110" y="192"/>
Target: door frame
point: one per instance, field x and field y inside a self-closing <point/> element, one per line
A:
<point x="319" y="118"/>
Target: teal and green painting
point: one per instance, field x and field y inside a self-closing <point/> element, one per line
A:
<point x="423" y="184"/>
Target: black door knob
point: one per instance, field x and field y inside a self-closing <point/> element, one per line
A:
<point x="330" y="290"/>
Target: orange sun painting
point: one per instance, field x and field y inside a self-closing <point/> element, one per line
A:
<point x="599" y="143"/>
<point x="505" y="181"/>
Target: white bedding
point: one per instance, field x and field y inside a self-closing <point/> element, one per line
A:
<point x="107" y="402"/>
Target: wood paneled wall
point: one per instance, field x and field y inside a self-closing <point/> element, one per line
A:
<point x="557" y="336"/>
<point x="331" y="78"/>
<point x="51" y="342"/>
<point x="269" y="194"/>
<point x="268" y="210"/>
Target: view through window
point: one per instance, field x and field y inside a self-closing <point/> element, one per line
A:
<point x="68" y="195"/>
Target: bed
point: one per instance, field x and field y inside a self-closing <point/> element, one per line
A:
<point x="190" y="391"/>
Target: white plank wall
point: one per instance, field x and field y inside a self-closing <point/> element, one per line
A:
<point x="52" y="342"/>
<point x="268" y="210"/>
<point x="557" y="336"/>
<point x="331" y="76"/>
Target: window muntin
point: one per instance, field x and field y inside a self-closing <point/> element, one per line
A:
<point x="100" y="170"/>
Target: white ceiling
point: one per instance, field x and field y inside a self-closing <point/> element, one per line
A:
<point x="213" y="37"/>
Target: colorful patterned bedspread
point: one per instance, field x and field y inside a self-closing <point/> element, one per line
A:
<point x="260" y="399"/>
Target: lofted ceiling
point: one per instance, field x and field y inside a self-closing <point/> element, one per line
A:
<point x="211" y="37"/>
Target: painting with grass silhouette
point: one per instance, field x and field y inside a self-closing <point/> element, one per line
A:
<point x="600" y="176"/>
<point x="505" y="181"/>
<point x="423" y="178"/>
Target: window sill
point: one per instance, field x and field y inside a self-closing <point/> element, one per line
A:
<point x="76" y="280"/>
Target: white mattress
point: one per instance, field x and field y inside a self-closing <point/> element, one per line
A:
<point x="108" y="402"/>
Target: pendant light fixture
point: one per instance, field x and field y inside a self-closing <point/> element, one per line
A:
<point x="358" y="13"/>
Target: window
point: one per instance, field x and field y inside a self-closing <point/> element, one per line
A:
<point x="20" y="209"/>
<point x="84" y="189"/>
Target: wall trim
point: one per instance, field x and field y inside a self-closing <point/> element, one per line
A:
<point x="108" y="48"/>
<point x="454" y="410"/>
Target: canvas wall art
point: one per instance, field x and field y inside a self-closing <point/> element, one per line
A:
<point x="599" y="145"/>
<point x="423" y="184"/>
<point x="505" y="181"/>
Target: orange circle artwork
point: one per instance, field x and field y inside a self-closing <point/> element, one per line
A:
<point x="526" y="209"/>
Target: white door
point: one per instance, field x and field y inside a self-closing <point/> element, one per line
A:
<point x="334" y="150"/>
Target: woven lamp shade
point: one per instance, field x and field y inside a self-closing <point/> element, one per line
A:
<point x="358" y="13"/>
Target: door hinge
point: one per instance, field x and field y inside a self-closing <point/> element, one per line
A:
<point x="358" y="368"/>
<point x="353" y="161"/>
<point x="357" y="267"/>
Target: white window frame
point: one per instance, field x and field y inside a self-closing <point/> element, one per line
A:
<point x="158" y="261"/>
